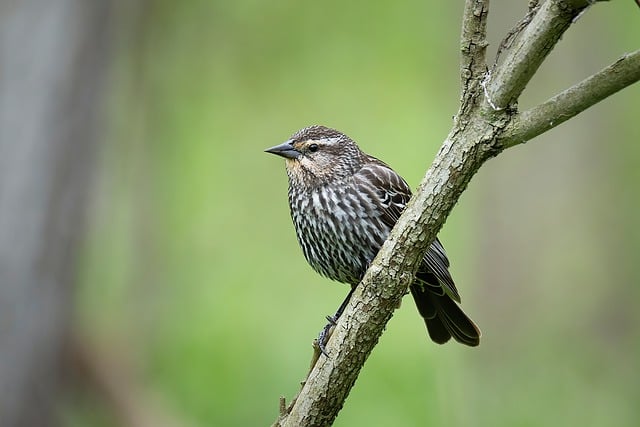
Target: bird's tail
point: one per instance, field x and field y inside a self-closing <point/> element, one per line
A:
<point x="443" y="317"/>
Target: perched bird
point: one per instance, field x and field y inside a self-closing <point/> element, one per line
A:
<point x="344" y="204"/>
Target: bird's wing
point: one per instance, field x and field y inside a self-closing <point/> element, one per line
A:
<point x="391" y="191"/>
<point x="393" y="195"/>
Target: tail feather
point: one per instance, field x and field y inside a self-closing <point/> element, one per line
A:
<point x="444" y="318"/>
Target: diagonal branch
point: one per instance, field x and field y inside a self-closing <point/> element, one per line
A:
<point x="481" y="130"/>
<point x="529" y="124"/>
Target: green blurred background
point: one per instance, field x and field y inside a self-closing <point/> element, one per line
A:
<point x="191" y="273"/>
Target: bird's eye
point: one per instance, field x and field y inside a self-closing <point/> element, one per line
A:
<point x="313" y="147"/>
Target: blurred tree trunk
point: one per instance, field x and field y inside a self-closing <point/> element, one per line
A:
<point x="53" y="57"/>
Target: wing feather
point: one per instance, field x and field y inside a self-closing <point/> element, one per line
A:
<point x="393" y="195"/>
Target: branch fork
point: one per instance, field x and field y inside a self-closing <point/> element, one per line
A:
<point x="487" y="123"/>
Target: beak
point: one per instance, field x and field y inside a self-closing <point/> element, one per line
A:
<point x="285" y="150"/>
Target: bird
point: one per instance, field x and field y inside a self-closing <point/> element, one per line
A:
<point x="344" y="203"/>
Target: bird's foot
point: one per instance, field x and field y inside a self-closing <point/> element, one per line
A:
<point x="325" y="334"/>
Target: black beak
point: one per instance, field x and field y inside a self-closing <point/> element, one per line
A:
<point x="285" y="150"/>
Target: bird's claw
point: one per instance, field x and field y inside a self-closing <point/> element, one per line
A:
<point x="325" y="334"/>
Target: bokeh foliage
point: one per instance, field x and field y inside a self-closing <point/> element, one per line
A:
<point x="192" y="266"/>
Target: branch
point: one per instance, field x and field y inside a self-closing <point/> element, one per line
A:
<point x="482" y="129"/>
<point x="473" y="45"/>
<point x="529" y="50"/>
<point x="529" y="124"/>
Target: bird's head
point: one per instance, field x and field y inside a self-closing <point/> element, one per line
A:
<point x="317" y="155"/>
